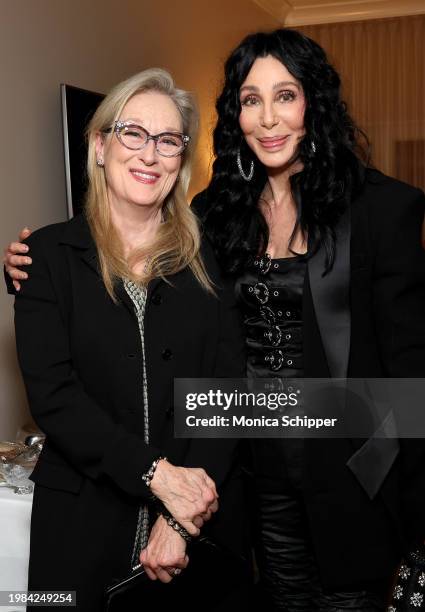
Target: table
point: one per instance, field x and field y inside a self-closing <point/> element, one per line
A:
<point x="15" y="516"/>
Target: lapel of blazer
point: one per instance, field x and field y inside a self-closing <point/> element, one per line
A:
<point x="77" y="235"/>
<point x="331" y="299"/>
<point x="331" y="294"/>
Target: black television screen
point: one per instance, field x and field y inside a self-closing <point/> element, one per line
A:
<point x="78" y="106"/>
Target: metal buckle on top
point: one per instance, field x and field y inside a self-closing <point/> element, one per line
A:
<point x="268" y="315"/>
<point x="264" y="263"/>
<point x="261" y="292"/>
<point x="273" y="335"/>
<point x="275" y="360"/>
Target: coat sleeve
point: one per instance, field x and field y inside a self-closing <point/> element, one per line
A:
<point x="77" y="428"/>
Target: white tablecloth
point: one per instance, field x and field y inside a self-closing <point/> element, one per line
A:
<point x="15" y="515"/>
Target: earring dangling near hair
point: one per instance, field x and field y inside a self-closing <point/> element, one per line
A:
<point x="313" y="146"/>
<point x="246" y="177"/>
<point x="100" y="162"/>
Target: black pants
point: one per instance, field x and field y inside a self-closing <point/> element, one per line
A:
<point x="289" y="578"/>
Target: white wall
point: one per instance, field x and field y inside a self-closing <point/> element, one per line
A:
<point x="92" y="44"/>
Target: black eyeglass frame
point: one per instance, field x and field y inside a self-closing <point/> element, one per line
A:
<point x="118" y="125"/>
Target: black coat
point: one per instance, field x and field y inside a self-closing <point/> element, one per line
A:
<point x="81" y="359"/>
<point x="366" y="318"/>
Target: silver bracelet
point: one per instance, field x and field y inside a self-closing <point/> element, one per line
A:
<point x="147" y="476"/>
<point x="176" y="525"/>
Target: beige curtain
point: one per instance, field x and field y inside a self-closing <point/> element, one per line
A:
<point x="382" y="66"/>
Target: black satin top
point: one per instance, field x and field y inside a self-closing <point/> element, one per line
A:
<point x="269" y="293"/>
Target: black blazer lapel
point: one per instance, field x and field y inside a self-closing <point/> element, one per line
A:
<point x="331" y="299"/>
<point x="77" y="235"/>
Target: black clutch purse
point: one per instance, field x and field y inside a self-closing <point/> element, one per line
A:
<point x="409" y="590"/>
<point x="134" y="579"/>
<point x="120" y="589"/>
<point x="209" y="565"/>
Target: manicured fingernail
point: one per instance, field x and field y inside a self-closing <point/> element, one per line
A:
<point x="26" y="248"/>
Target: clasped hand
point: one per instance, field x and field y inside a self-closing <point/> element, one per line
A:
<point x="189" y="494"/>
<point x="165" y="552"/>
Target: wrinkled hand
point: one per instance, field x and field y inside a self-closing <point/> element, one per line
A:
<point x="189" y="494"/>
<point x="165" y="552"/>
<point x="13" y="257"/>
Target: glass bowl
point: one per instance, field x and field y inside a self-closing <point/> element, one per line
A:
<point x="17" y="465"/>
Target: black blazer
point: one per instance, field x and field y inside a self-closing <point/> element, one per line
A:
<point x="81" y="359"/>
<point x="366" y="499"/>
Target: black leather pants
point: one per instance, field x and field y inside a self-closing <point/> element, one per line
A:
<point x="289" y="578"/>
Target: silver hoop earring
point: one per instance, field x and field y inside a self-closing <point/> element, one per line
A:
<point x="100" y="162"/>
<point x="246" y="177"/>
<point x="313" y="146"/>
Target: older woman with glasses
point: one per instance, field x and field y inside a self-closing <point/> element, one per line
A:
<point x="109" y="317"/>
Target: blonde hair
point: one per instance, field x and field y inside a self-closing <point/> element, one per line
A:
<point x="177" y="241"/>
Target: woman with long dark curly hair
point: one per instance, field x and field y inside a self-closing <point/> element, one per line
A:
<point x="324" y="145"/>
<point x="329" y="273"/>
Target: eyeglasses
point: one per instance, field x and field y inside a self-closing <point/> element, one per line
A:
<point x="135" y="137"/>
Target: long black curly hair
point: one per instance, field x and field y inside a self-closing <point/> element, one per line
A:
<point x="331" y="172"/>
